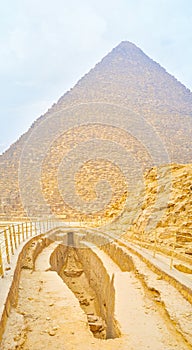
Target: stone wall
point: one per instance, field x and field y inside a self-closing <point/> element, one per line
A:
<point x="120" y="256"/>
<point x="103" y="284"/>
<point x="99" y="280"/>
<point x="11" y="288"/>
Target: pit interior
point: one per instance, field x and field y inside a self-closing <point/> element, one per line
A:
<point x="66" y="261"/>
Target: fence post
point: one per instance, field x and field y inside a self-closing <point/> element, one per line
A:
<point x="31" y="228"/>
<point x="19" y="234"/>
<point x="155" y="245"/>
<point x="23" y="231"/>
<point x="1" y="264"/>
<point x="14" y="236"/>
<point x="7" y="246"/>
<point x="11" y="240"/>
<point x="26" y="228"/>
<point x="173" y="250"/>
<point x="44" y="226"/>
<point x="35" y="222"/>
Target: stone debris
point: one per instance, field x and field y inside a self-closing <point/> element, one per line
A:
<point x="183" y="268"/>
<point x="166" y="206"/>
<point x="52" y="332"/>
<point x="188" y="251"/>
<point x="97" y="326"/>
<point x="84" y="302"/>
<point x="7" y="268"/>
<point x="73" y="273"/>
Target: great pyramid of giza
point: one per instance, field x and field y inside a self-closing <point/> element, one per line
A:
<point x="125" y="116"/>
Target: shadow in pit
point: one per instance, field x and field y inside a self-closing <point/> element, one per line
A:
<point x="66" y="262"/>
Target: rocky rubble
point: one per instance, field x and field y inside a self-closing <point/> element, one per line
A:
<point x="162" y="210"/>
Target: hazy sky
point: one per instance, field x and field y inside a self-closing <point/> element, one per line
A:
<point x="46" y="46"/>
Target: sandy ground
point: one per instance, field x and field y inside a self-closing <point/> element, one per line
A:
<point x="49" y="316"/>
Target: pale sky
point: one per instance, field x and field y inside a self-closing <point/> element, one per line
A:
<point x="46" y="46"/>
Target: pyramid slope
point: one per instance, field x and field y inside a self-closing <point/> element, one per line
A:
<point x="126" y="79"/>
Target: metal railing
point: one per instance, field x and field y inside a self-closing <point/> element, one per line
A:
<point x="13" y="235"/>
<point x="175" y="246"/>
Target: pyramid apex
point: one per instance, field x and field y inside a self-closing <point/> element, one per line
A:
<point x="127" y="48"/>
<point x="126" y="44"/>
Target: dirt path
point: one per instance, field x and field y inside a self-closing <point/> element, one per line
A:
<point x="48" y="315"/>
<point x="140" y="312"/>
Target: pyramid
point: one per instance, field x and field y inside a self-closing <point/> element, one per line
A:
<point x="82" y="158"/>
